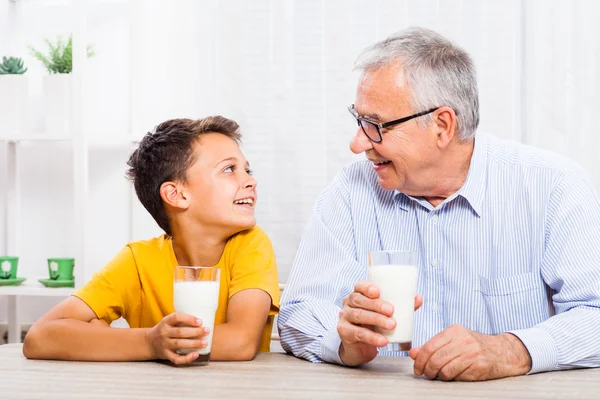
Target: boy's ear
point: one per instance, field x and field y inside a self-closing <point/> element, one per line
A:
<point x="173" y="195"/>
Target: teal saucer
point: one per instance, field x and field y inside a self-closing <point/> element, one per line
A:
<point x="53" y="283"/>
<point x="12" y="281"/>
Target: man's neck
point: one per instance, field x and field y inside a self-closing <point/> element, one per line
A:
<point x="449" y="174"/>
<point x="197" y="247"/>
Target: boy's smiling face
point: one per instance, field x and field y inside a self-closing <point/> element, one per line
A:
<point x="219" y="188"/>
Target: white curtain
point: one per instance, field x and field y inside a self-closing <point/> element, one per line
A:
<point x="283" y="69"/>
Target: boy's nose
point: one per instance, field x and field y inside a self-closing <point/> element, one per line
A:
<point x="250" y="182"/>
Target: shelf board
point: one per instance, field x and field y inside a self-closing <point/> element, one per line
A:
<point x="113" y="142"/>
<point x="34" y="138"/>
<point x="33" y="288"/>
<point x="124" y="141"/>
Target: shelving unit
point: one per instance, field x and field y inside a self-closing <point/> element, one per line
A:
<point x="31" y="287"/>
<point x="79" y="140"/>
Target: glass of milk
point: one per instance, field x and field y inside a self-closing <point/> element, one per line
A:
<point x="196" y="292"/>
<point x="396" y="272"/>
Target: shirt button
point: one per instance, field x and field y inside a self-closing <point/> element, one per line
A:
<point x="434" y="263"/>
<point x="434" y="307"/>
<point x="434" y="219"/>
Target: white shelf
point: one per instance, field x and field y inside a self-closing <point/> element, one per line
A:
<point x="31" y="287"/>
<point x="105" y="142"/>
<point x="125" y="141"/>
<point x="34" y="138"/>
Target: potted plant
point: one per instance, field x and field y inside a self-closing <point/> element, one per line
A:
<point x="57" y="85"/>
<point x="13" y="96"/>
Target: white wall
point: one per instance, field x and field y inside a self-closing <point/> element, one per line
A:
<point x="283" y="69"/>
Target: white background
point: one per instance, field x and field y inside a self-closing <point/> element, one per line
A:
<point x="283" y="70"/>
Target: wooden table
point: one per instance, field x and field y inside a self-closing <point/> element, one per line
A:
<point x="269" y="376"/>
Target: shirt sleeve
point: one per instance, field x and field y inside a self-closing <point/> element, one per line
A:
<point x="324" y="272"/>
<point x="254" y="266"/>
<point x="115" y="290"/>
<point x="571" y="268"/>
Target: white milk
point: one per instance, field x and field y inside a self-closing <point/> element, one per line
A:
<point x="200" y="299"/>
<point x="398" y="284"/>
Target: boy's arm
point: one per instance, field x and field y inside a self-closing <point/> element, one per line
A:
<point x="253" y="296"/>
<point x="77" y="328"/>
<point x="71" y="331"/>
<point x="239" y="338"/>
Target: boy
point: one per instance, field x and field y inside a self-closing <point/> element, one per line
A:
<point x="193" y="179"/>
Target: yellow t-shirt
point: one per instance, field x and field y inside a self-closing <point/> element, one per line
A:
<point x="138" y="283"/>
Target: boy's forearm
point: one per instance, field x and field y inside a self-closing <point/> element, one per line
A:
<point x="69" y="339"/>
<point x="232" y="343"/>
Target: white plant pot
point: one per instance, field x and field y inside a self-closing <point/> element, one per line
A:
<point x="14" y="91"/>
<point x="57" y="104"/>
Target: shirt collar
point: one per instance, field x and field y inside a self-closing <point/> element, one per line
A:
<point x="475" y="186"/>
<point x="473" y="190"/>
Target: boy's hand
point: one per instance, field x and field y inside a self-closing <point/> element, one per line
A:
<point x="176" y="331"/>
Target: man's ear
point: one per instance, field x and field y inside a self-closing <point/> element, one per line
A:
<point x="444" y="120"/>
<point x="173" y="195"/>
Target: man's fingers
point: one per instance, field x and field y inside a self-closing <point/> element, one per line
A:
<point x="439" y="359"/>
<point x="453" y="369"/>
<point x="414" y="352"/>
<point x="367" y="288"/>
<point x="358" y="316"/>
<point x="418" y="301"/>
<point x="357" y="334"/>
<point x="428" y="349"/>
<point x="357" y="300"/>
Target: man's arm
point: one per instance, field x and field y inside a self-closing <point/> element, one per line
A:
<point x="569" y="339"/>
<point x="324" y="273"/>
<point x="571" y="267"/>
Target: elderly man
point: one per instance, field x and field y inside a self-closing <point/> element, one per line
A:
<point x="508" y="236"/>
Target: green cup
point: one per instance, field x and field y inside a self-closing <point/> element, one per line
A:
<point x="8" y="267"/>
<point x="61" y="269"/>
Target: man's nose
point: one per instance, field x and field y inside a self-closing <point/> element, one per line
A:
<point x="360" y="142"/>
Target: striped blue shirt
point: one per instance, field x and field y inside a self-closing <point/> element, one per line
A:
<point x="516" y="249"/>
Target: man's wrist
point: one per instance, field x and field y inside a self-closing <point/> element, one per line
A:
<point x="342" y="354"/>
<point x="347" y="358"/>
<point x="518" y="360"/>
<point x="353" y="356"/>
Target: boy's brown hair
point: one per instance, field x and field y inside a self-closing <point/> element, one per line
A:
<point x="166" y="154"/>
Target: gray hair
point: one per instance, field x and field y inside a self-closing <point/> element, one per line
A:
<point x="438" y="74"/>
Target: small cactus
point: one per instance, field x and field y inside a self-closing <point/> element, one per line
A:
<point x="12" y="66"/>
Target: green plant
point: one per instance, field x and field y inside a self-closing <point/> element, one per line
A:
<point x="59" y="59"/>
<point x="12" y="66"/>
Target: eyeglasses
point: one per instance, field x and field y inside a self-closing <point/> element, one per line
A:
<point x="373" y="129"/>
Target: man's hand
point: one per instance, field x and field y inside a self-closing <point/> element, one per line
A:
<point x="363" y="310"/>
<point x="459" y="354"/>
<point x="169" y="335"/>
